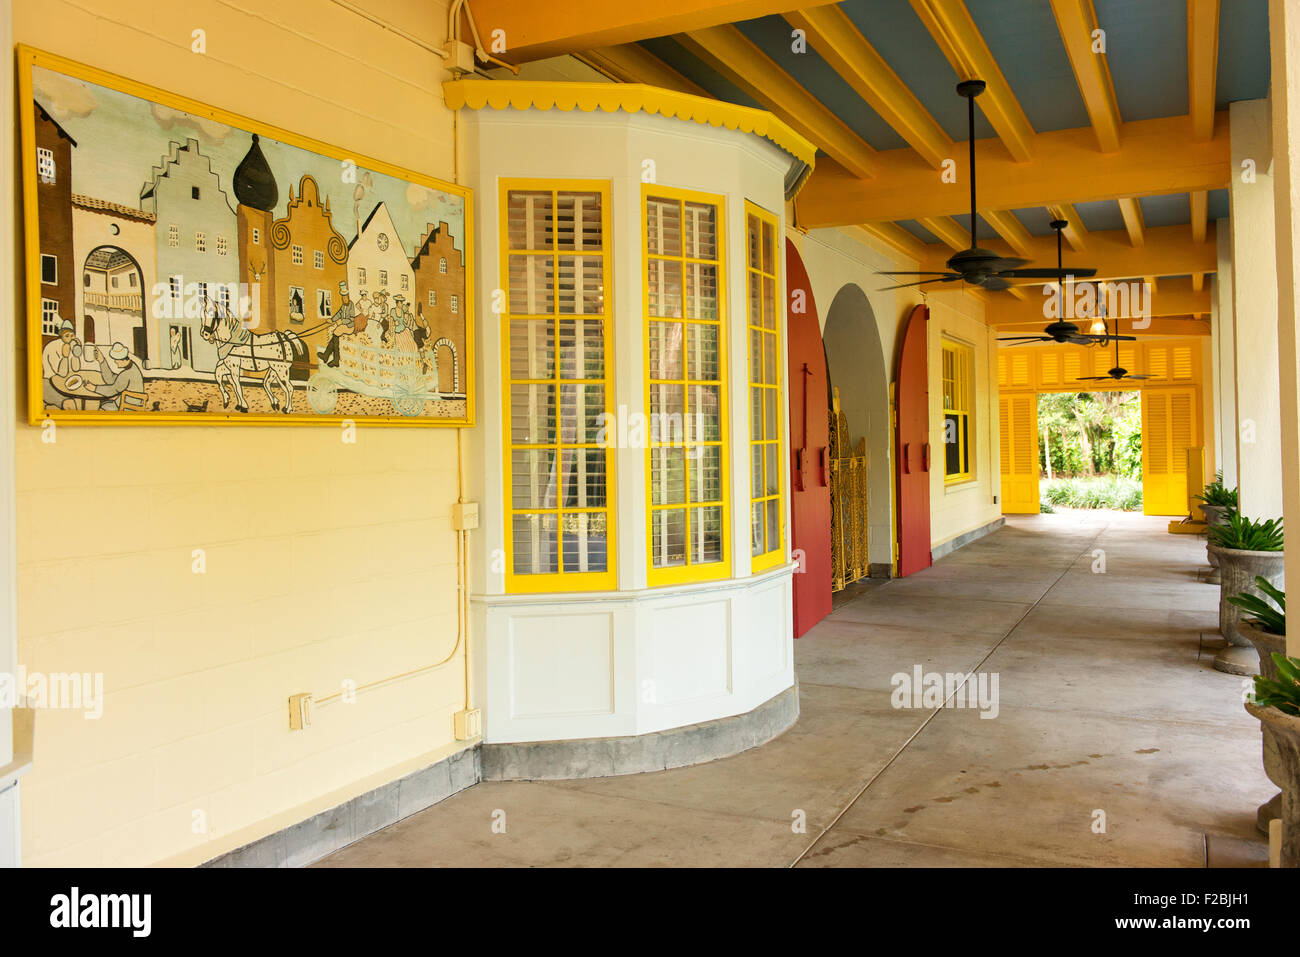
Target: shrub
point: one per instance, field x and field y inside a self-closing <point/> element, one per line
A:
<point x="1283" y="694"/>
<point x="1217" y="494"/>
<point x="1248" y="534"/>
<point x="1264" y="615"/>
<point x="1107" y="491"/>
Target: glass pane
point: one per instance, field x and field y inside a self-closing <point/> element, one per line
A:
<point x="701" y="239"/>
<point x="701" y="291"/>
<point x="667" y="423"/>
<point x="582" y="285"/>
<point x="769" y="246"/>
<point x="581" y="408"/>
<point x="702" y="352"/>
<point x="532" y="414"/>
<point x="773" y="524"/>
<point x="769" y="303"/>
<point x="668" y="537"/>
<point x="578" y="221"/>
<point x="665" y="350"/>
<point x="584" y="542"/>
<point x="529" y="219"/>
<point x="665" y="281"/>
<point x="756" y="529"/>
<point x="667" y="476"/>
<point x="756" y="470"/>
<point x="582" y="348"/>
<point x="531" y="286"/>
<point x="531" y="353"/>
<point x="534" y="544"/>
<point x="663" y="227"/>
<point x="583" y="478"/>
<point x="756" y="412"/>
<point x="706" y="534"/>
<point x="755" y="356"/>
<point x="752" y="241"/>
<point x="769" y="358"/>
<point x="773" y="470"/>
<point x="533" y="478"/>
<point x="706" y="473"/>
<point x="704" y="423"/>
<point x="951" y="448"/>
<point x="769" y="404"/>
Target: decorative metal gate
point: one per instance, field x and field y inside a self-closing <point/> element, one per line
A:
<point x="848" y="474"/>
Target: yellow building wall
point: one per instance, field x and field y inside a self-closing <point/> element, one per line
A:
<point x="325" y="561"/>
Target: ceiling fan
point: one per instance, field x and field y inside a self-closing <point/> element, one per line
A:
<point x="1118" y="372"/>
<point x="975" y="266"/>
<point x="1062" y="330"/>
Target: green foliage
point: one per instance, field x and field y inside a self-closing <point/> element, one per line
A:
<point x="1216" y="493"/>
<point x="1247" y="534"/>
<point x="1104" y="491"/>
<point x="1269" y="617"/>
<point x="1046" y="508"/>
<point x="1283" y="694"/>
<point x="1090" y="433"/>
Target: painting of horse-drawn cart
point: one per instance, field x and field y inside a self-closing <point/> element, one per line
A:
<point x="185" y="264"/>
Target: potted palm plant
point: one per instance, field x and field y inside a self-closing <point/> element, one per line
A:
<point x="1246" y="549"/>
<point x="1276" y="703"/>
<point x="1217" y="500"/>
<point x="1265" y="627"/>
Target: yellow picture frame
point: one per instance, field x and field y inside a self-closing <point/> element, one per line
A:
<point x="400" y="386"/>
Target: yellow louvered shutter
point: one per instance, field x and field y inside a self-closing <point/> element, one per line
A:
<point x="1182" y="363"/>
<point x="1018" y="423"/>
<point x="1169" y="429"/>
<point x="1050" y="369"/>
<point x="1002" y="368"/>
<point x="1157" y="362"/>
<point x="1072" y="365"/>
<point x="1004" y="431"/>
<point x="1020" y="369"/>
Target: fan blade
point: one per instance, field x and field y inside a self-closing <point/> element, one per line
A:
<point x="1001" y="265"/>
<point x="919" y="282"/>
<point x="884" y="273"/>
<point x="1095" y="378"/>
<point x="1137" y="377"/>
<point x="1047" y="273"/>
<point x="995" y="284"/>
<point x="1026" y="339"/>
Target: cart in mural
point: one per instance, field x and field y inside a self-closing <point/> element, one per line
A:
<point x="395" y="374"/>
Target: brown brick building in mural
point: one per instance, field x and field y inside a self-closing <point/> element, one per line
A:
<point x="58" y="273"/>
<point x="440" y="297"/>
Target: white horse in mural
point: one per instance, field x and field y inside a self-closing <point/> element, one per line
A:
<point x="240" y="351"/>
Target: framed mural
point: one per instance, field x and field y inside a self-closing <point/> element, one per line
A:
<point x="185" y="264"/>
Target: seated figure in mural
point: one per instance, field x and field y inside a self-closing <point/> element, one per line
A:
<point x="61" y="358"/>
<point x="123" y="380"/>
<point x="345" y="322"/>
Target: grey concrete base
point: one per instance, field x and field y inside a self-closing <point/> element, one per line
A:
<point x="947" y="548"/>
<point x="310" y="840"/>
<point x="880" y="570"/>
<point x="1236" y="660"/>
<point x="634" y="754"/>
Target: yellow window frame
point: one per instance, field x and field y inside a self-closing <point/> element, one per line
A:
<point x="560" y="580"/>
<point x="958" y="379"/>
<point x="688" y="572"/>
<point x="763" y="342"/>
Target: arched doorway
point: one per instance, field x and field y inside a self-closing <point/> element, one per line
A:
<point x="113" y="300"/>
<point x="856" y="361"/>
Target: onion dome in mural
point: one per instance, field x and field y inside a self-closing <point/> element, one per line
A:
<point x="254" y="183"/>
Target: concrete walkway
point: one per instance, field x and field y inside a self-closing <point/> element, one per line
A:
<point x="1115" y="742"/>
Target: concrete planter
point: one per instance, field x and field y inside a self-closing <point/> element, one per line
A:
<point x="1266" y="643"/>
<point x="1282" y="765"/>
<point x="1239" y="568"/>
<point x="1214" y="515"/>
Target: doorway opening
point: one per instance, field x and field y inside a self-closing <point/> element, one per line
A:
<point x="1090" y="450"/>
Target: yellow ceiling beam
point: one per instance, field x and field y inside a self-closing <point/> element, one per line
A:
<point x="1168" y="251"/>
<point x="532" y="31"/>
<point x="1076" y="234"/>
<point x="737" y="58"/>
<point x="953" y="29"/>
<point x="1010" y="229"/>
<point x="832" y="34"/>
<point x="1077" y="22"/>
<point x="948" y="230"/>
<point x="1200" y="214"/>
<point x="1158" y="157"/>
<point x="1202" y="64"/>
<point x="630" y="63"/>
<point x="1198" y="281"/>
<point x="897" y="238"/>
<point x="1134" y="222"/>
<point x="1175" y="297"/>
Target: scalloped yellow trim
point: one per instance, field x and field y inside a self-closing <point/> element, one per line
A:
<point x="630" y="98"/>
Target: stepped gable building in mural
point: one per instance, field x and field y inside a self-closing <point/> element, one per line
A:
<point x="196" y="235"/>
<point x="439" y="269"/>
<point x="309" y="260"/>
<point x="54" y="201"/>
<point x="256" y="196"/>
<point x="378" y="268"/>
<point x="116" y="250"/>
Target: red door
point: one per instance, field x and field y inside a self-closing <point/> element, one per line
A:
<point x="912" y="445"/>
<point x="810" y="496"/>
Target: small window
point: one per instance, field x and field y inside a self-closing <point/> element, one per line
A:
<point x="383" y="277"/>
<point x="433" y="297"/>
<point x="45" y="164"/>
<point x="318" y="259"/>
<point x="361" y="276"/>
<point x="85" y="280"/>
<point x="257" y="237"/>
<point x="767" y="463"/>
<point x="442" y="265"/>
<point x="221" y="245"/>
<point x="406" y="282"/>
<point x="50" y="317"/>
<point x="113" y="281"/>
<point x="49" y="269"/>
<point x="200" y="242"/>
<point x="958" y="404"/>
<point x="133" y="280"/>
<point x="455" y="304"/>
<point x="296" y="255"/>
<point x="194" y="192"/>
<point x="174" y="236"/>
<point x="324" y="303"/>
